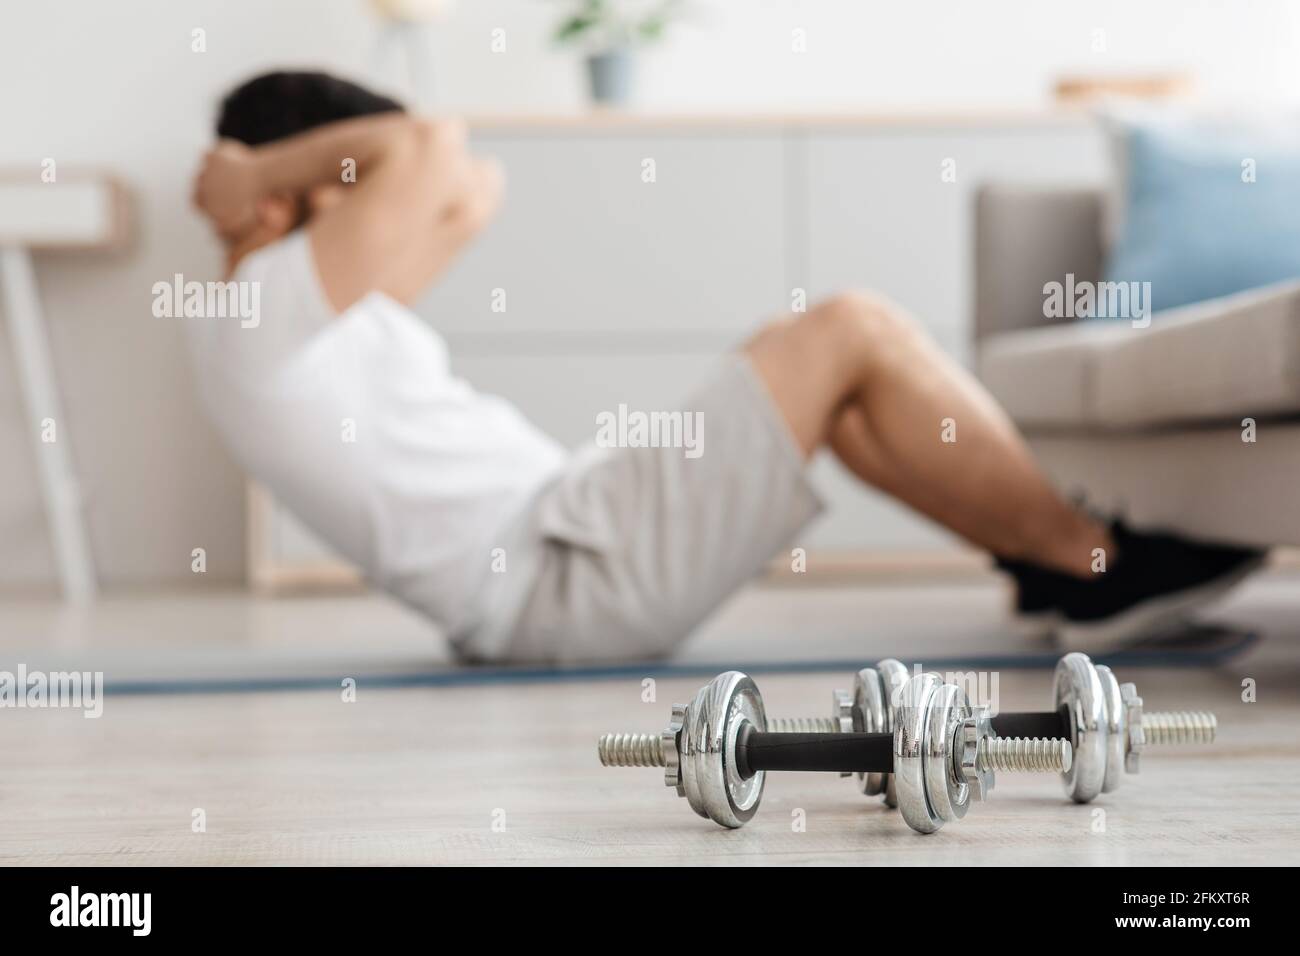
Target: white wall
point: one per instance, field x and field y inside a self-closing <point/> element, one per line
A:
<point x="115" y="86"/>
<point x="954" y="52"/>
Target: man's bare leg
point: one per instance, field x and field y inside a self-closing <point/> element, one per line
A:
<point x="860" y="375"/>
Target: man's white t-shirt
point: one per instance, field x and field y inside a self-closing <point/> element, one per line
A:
<point x="358" y="426"/>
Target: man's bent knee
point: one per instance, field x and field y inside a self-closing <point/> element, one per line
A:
<point x="863" y="318"/>
<point x="860" y="329"/>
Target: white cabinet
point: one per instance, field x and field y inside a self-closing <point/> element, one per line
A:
<point x="563" y="393"/>
<point x="882" y="214"/>
<point x="584" y="244"/>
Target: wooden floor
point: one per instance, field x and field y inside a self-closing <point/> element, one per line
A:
<point x="507" y="774"/>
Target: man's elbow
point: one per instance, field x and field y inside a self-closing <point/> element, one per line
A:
<point x="425" y="142"/>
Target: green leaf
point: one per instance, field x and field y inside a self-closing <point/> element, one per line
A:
<point x="574" y="27"/>
<point x="652" y="28"/>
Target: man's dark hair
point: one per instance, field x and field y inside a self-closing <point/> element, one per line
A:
<point x="275" y="105"/>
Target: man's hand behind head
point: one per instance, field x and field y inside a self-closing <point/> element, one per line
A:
<point x="388" y="200"/>
<point x="227" y="190"/>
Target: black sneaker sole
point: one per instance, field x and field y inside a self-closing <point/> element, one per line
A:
<point x="1148" y="618"/>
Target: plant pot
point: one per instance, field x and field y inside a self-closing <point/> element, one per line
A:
<point x="611" y="74"/>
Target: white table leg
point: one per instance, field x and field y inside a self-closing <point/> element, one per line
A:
<point x="63" y="502"/>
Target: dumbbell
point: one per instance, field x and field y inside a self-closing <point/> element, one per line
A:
<point x="868" y="709"/>
<point x="942" y="753"/>
<point x="1104" y="722"/>
<point x="1102" y="718"/>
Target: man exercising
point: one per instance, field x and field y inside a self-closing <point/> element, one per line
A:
<point x="607" y="553"/>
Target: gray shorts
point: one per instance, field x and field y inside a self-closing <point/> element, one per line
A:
<point x="634" y="547"/>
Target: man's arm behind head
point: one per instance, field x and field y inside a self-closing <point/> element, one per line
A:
<point x="388" y="200"/>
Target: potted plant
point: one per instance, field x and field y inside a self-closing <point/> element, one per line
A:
<point x="609" y="31"/>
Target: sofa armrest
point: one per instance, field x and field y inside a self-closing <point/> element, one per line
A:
<point x="1024" y="238"/>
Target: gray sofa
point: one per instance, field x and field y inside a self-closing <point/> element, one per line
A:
<point x="1142" y="422"/>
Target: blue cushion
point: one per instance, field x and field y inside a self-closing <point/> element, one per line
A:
<point x="1191" y="225"/>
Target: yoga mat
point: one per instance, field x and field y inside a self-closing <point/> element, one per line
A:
<point x="1197" y="646"/>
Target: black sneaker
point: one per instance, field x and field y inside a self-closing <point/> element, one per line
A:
<point x="1035" y="597"/>
<point x="1153" y="582"/>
